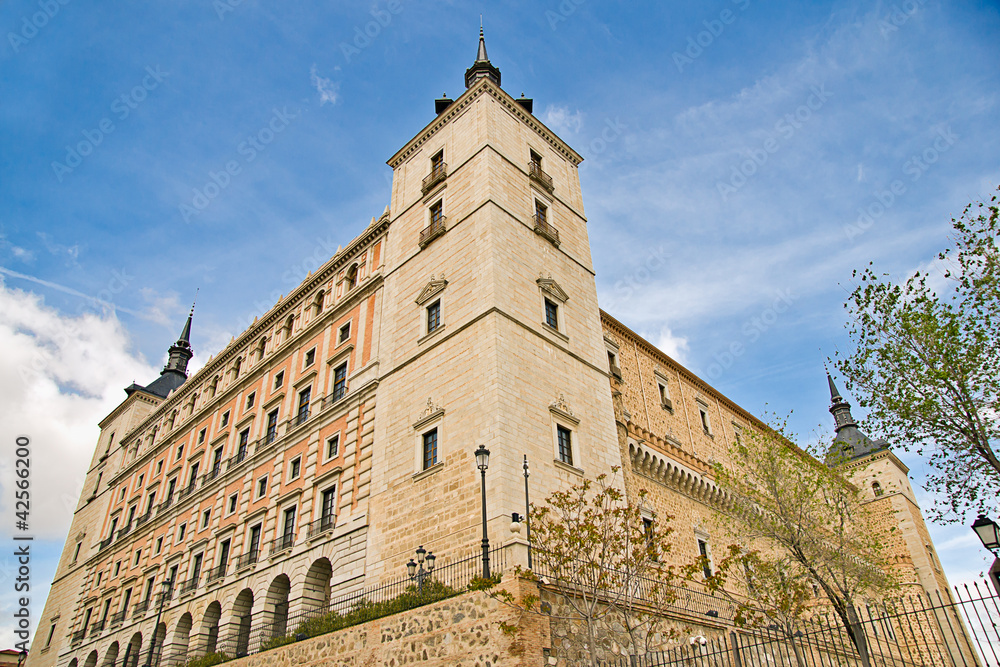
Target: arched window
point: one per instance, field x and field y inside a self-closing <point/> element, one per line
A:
<point x="236" y="368"/>
<point x="351" y="279"/>
<point x="289" y="323"/>
<point x="877" y="489"/>
<point x="261" y="347"/>
<point x="318" y="303"/>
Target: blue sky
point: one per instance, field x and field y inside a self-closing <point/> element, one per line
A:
<point x="731" y="151"/>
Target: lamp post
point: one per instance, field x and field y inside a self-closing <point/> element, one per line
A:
<point x="421" y="574"/>
<point x="169" y="583"/>
<point x="989" y="534"/>
<point x="527" y="510"/>
<point x="483" y="462"/>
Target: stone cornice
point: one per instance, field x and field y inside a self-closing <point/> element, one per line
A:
<point x="484" y="86"/>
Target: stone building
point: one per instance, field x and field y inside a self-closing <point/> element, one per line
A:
<point x="313" y="454"/>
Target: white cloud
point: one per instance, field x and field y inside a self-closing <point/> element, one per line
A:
<point x="674" y="346"/>
<point x="329" y="90"/>
<point x="561" y="120"/>
<point x="59" y="375"/>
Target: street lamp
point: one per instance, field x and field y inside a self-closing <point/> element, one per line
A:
<point x="169" y="583"/>
<point x="527" y="510"/>
<point x="421" y="574"/>
<point x="483" y="462"/>
<point x="988" y="532"/>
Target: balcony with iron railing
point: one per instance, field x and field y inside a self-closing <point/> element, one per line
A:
<point x="97" y="629"/>
<point x="105" y="543"/>
<point x="438" y="174"/>
<point x="125" y="530"/>
<point x="238" y="458"/>
<point x="302" y="416"/>
<point x="211" y="474"/>
<point x="539" y="176"/>
<point x="190" y="585"/>
<point x="543" y="228"/>
<point x="166" y="503"/>
<point x="118" y="618"/>
<point x="78" y="636"/>
<point x="216" y="573"/>
<point x="282" y="543"/>
<point x="187" y="490"/>
<point x="322" y="525"/>
<point x="433" y="230"/>
<point x="145" y="517"/>
<point x="140" y="609"/>
<point x="247" y="559"/>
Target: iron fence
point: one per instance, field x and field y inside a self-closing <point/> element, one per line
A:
<point x="915" y="631"/>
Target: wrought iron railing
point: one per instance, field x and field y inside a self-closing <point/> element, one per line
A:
<point x="166" y="503"/>
<point x="282" y="543"/>
<point x="140" y="608"/>
<point x="438" y="174"/>
<point x="78" y="636"/>
<point x="321" y="525"/>
<point x="125" y="530"/>
<point x="432" y="231"/>
<point x="536" y="173"/>
<point x="97" y="628"/>
<point x="543" y="228"/>
<point x="118" y="618"/>
<point x="187" y="490"/>
<point x="190" y="585"/>
<point x="216" y="573"/>
<point x="247" y="559"/>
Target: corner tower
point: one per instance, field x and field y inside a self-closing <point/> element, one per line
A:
<point x="491" y="330"/>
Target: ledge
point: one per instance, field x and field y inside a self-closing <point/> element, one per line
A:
<point x="437" y="467"/>
<point x="568" y="468"/>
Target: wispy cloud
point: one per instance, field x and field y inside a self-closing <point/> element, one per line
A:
<point x="562" y="120"/>
<point x="329" y="90"/>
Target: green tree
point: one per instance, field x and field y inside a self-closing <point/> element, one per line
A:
<point x="927" y="365"/>
<point x="803" y="522"/>
<point x="592" y="548"/>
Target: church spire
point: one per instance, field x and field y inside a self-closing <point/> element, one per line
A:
<point x="482" y="67"/>
<point x="180" y="353"/>
<point x="839" y="408"/>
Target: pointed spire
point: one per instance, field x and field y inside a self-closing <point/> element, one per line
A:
<point x="834" y="393"/>
<point x="180" y="353"/>
<point x="839" y="408"/>
<point x="481" y="68"/>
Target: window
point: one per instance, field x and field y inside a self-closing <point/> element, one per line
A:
<point x="328" y="515"/>
<point x="52" y="631"/>
<point x="261" y="349"/>
<point x="138" y="484"/>
<point x="430" y="450"/>
<point x="665" y="401"/>
<point x="201" y="435"/>
<point x="333" y="447"/>
<point x="437" y="162"/>
<point x="118" y="567"/>
<point x="876" y="489"/>
<point x="206" y="516"/>
<point x="541" y="213"/>
<point x="86" y="618"/>
<point x="261" y="486"/>
<point x="250" y="399"/>
<point x="272" y="426"/>
<point x="223" y="556"/>
<point x="196" y="567"/>
<point x="76" y="552"/>
<point x="536" y="160"/>
<point x="236" y="368"/>
<point x="180" y="531"/>
<point x="253" y="548"/>
<point x="437" y="212"/>
<point x="100" y="575"/>
<point x="180" y="453"/>
<point x="304" y="397"/>
<point x="288" y="529"/>
<point x="150" y="500"/>
<point x="310" y="358"/>
<point x="706" y="563"/>
<point x="434" y="316"/>
<point x="193" y="481"/>
<point x="647" y="531"/>
<point x="159" y="545"/>
<point x="225" y="418"/>
<point x="706" y="423"/>
<point x="340" y="381"/>
<point x="233" y="502"/>
<point x="318" y="302"/>
<point x="121" y="496"/>
<point x="552" y="314"/>
<point x="345" y="333"/>
<point x="241" y="451"/>
<point x="216" y="461"/>
<point x="564" y="438"/>
<point x="159" y="466"/>
<point x="138" y="555"/>
<point x="126" y="598"/>
<point x="295" y="469"/>
<point x="289" y="325"/>
<point x="114" y="525"/>
<point x="351" y="278"/>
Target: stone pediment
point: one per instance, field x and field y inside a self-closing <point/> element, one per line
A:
<point x="433" y="288"/>
<point x="552" y="287"/>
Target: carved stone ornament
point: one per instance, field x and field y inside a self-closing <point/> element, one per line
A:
<point x="433" y="288"/>
<point x="552" y="288"/>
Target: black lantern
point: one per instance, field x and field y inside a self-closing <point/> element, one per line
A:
<point x="483" y="462"/>
<point x="416" y="570"/>
<point x="988" y="532"/>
